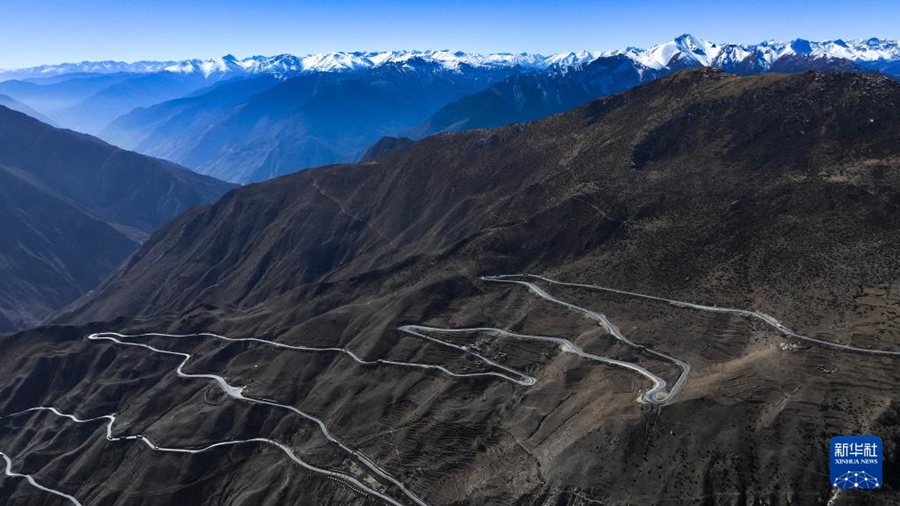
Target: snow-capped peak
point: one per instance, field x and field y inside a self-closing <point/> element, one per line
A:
<point x="683" y="51"/>
<point x="686" y="48"/>
<point x="571" y="58"/>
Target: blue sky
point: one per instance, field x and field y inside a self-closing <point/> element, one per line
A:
<point x="34" y="32"/>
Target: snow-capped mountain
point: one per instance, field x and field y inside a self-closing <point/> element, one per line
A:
<point x="287" y="65"/>
<point x="690" y="51"/>
<point x="684" y="51"/>
<point x="570" y="58"/>
<point x="249" y="119"/>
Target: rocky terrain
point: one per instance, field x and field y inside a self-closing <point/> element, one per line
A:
<point x="776" y="193"/>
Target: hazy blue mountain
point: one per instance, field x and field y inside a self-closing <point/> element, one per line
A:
<point x="11" y="103"/>
<point x="95" y="112"/>
<point x="55" y="94"/>
<point x="527" y="97"/>
<point x="532" y="96"/>
<point x="260" y="128"/>
<point x="252" y="119"/>
<point x="165" y="126"/>
<point x="338" y="104"/>
<point x="72" y="207"/>
<point x="87" y="103"/>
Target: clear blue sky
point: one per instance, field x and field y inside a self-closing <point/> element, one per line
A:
<point x="34" y="32"/>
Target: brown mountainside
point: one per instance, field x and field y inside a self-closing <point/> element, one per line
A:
<point x="693" y="177"/>
<point x="774" y="193"/>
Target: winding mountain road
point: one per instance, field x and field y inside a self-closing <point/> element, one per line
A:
<point x="521" y="379"/>
<point x="237" y="393"/>
<point x="651" y="396"/>
<point x="657" y="394"/>
<point x="9" y="472"/>
<point x="111" y="419"/>
<point x="517" y="376"/>
<point x="769" y="320"/>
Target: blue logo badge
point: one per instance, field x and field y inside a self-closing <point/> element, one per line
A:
<point x="856" y="462"/>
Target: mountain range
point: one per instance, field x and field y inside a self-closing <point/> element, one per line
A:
<point x="352" y="315"/>
<point x="254" y="129"/>
<point x="89" y="102"/>
<point x="72" y="208"/>
<point x="248" y="120"/>
<point x="871" y="53"/>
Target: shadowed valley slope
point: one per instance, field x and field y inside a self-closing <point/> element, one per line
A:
<point x="73" y="207"/>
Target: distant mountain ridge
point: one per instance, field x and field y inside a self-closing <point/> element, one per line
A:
<point x="869" y="53"/>
<point x="864" y="52"/>
<point x="71" y="208"/>
<point x="266" y="129"/>
<point x="252" y="119"/>
<point x="250" y="130"/>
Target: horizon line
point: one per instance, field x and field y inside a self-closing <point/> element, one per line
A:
<point x="476" y="53"/>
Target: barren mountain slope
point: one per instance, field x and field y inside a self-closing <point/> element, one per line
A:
<point x="773" y="193"/>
